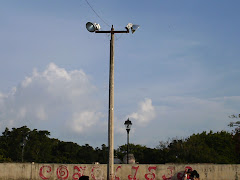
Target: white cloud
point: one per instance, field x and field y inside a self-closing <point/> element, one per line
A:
<point x="53" y="73"/>
<point x="83" y="120"/>
<point x="65" y="103"/>
<point x="141" y="119"/>
<point x="26" y="82"/>
<point x="145" y="113"/>
<point x="181" y="116"/>
<point x="41" y="113"/>
<point x="56" y="100"/>
<point x="22" y="112"/>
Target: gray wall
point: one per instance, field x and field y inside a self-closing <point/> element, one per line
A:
<point x="37" y="171"/>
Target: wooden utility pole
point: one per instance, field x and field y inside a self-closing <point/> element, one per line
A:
<point x="110" y="168"/>
<point x="93" y="27"/>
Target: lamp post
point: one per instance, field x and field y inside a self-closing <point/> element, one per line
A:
<point x="128" y="125"/>
<point x="94" y="27"/>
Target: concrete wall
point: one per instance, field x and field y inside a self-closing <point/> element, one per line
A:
<point x="27" y="171"/>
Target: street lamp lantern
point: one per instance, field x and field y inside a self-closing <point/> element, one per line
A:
<point x="128" y="125"/>
<point x="94" y="27"/>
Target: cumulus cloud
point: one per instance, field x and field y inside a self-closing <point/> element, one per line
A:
<point x="83" y="120"/>
<point x="55" y="99"/>
<point x="181" y="116"/>
<point x="67" y="104"/>
<point x="145" y="113"/>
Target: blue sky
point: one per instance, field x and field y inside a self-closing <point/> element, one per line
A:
<point x="175" y="76"/>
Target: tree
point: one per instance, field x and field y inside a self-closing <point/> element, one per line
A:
<point x="202" y="148"/>
<point x="236" y="133"/>
<point x="142" y="154"/>
<point x="235" y="124"/>
<point x="65" y="152"/>
<point x="38" y="147"/>
<point x="219" y="147"/>
<point x="11" y="143"/>
<point x="102" y="154"/>
<point x="86" y="154"/>
<point x="4" y="145"/>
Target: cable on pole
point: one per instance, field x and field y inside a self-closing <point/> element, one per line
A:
<point x="97" y="13"/>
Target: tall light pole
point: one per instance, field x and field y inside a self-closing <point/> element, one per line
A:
<point x="94" y="27"/>
<point x="128" y="125"/>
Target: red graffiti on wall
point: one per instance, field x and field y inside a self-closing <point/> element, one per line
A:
<point x="180" y="175"/>
<point x="117" y="178"/>
<point x="99" y="173"/>
<point x="134" y="177"/>
<point x="62" y="172"/>
<point x="79" y="173"/>
<point x="45" y="172"/>
<point x="151" y="174"/>
<point x="170" y="173"/>
<point x="49" y="169"/>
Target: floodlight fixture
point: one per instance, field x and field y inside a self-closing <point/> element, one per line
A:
<point x="129" y="25"/>
<point x="133" y="27"/>
<point x="92" y="27"/>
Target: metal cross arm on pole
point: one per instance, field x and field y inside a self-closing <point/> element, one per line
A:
<point x="112" y="31"/>
<point x="94" y="27"/>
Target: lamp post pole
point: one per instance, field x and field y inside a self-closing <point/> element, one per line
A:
<point x="127" y="144"/>
<point x="128" y="125"/>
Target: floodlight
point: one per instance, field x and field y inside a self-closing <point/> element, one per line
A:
<point x="129" y="26"/>
<point x="133" y="27"/>
<point x="92" y="27"/>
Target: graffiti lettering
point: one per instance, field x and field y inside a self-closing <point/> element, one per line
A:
<point x="62" y="172"/>
<point x="98" y="172"/>
<point x="79" y="173"/>
<point x="134" y="177"/>
<point x="170" y="174"/>
<point x="41" y="172"/>
<point x="46" y="172"/>
<point x="151" y="174"/>
<point x="117" y="178"/>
